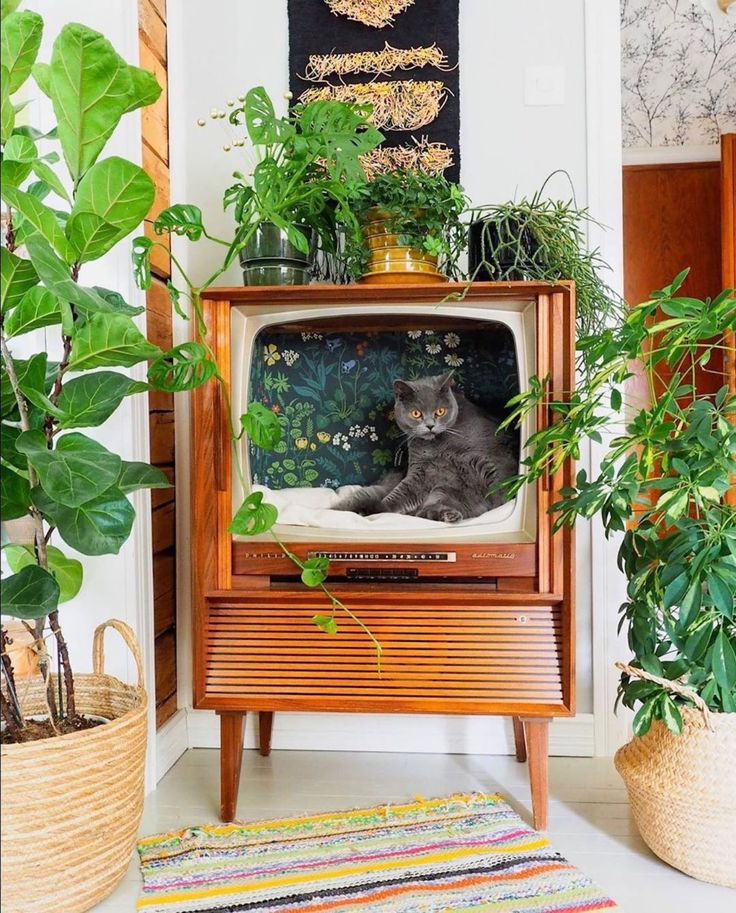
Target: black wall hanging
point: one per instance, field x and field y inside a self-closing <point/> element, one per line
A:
<point x="414" y="83"/>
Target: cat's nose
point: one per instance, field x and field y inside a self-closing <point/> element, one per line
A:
<point x="429" y="425"/>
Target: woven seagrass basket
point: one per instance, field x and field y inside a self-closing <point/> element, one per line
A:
<point x="682" y="790"/>
<point x="71" y="805"/>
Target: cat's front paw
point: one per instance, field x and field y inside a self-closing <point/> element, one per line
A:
<point x="450" y="515"/>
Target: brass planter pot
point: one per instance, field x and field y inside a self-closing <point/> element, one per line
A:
<point x="391" y="262"/>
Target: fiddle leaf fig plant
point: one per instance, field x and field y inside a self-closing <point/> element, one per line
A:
<point x="72" y="490"/>
<point x="664" y="485"/>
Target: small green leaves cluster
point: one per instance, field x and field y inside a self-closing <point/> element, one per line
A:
<point x="423" y="210"/>
<point x="663" y="484"/>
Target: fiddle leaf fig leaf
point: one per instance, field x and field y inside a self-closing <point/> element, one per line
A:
<point x="262" y="426"/>
<point x="98" y="527"/>
<point x="7" y="111"/>
<point x="37" y="308"/>
<point x="76" y="471"/>
<point x="42" y="74"/>
<point x="20" y="148"/>
<point x="89" y="236"/>
<point x="109" y="340"/>
<point x="314" y="571"/>
<point x="44" y="172"/>
<point x="20" y="39"/>
<point x="185" y="367"/>
<point x="89" y="400"/>
<point x="31" y="593"/>
<point x="15" y="495"/>
<point x="55" y="275"/>
<point x="114" y="303"/>
<point x="90" y="87"/>
<point x="117" y="192"/>
<point x="42" y="219"/>
<point x="134" y="476"/>
<point x="145" y="89"/>
<point x="67" y="572"/>
<point x="254" y="516"/>
<point x="17" y="275"/>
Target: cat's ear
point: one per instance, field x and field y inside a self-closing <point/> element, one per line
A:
<point x="445" y="382"/>
<point x="402" y="389"/>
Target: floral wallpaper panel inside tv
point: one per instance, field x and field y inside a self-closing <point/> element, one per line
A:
<point x="333" y="393"/>
<point x="678" y="72"/>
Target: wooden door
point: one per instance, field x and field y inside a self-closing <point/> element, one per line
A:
<point x="155" y="130"/>
<point x="728" y="247"/>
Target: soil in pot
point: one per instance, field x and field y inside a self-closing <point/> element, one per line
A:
<point x="37" y="729"/>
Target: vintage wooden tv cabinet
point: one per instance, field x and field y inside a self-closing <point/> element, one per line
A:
<point x="492" y="633"/>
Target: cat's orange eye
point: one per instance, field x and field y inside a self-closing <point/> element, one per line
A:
<point x="415" y="413"/>
<point x="440" y="412"/>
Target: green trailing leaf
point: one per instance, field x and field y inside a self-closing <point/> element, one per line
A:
<point x="315" y="571"/>
<point x="185" y="367"/>
<point x="254" y="516"/>
<point x="99" y="527"/>
<point x="37" y="308"/>
<point x="20" y="39"/>
<point x="183" y="219"/>
<point x="110" y="340"/>
<point x="41" y="218"/>
<point x="77" y="470"/>
<point x="724" y="661"/>
<point x="325" y="623"/>
<point x="118" y="194"/>
<point x="67" y="572"/>
<point x="141" y="257"/>
<point x="91" y="399"/>
<point x="17" y="275"/>
<point x="134" y="476"/>
<point x="7" y="111"/>
<point x="262" y="426"/>
<point x="91" y="88"/>
<point x="32" y="593"/>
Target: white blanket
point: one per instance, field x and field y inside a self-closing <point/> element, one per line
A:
<point x="312" y="507"/>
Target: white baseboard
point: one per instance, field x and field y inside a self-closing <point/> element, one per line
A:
<point x="396" y="733"/>
<point x="663" y="155"/>
<point x="172" y="740"/>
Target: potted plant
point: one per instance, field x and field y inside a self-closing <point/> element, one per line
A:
<point x="545" y="240"/>
<point x="73" y="746"/>
<point x="663" y="485"/>
<point x="412" y="228"/>
<point x="308" y="167"/>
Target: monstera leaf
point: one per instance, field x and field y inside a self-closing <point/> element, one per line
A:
<point x="254" y="516"/>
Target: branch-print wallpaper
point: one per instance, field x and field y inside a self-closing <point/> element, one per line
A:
<point x="678" y="72"/>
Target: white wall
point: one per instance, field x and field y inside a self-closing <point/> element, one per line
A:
<point x="219" y="49"/>
<point x="115" y="586"/>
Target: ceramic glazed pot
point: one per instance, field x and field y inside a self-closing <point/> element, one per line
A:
<point x="270" y="259"/>
<point x="390" y="261"/>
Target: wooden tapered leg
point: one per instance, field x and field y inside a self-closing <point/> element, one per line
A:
<point x="537" y="744"/>
<point x="232" y="730"/>
<point x="265" y="725"/>
<point x="519" y="739"/>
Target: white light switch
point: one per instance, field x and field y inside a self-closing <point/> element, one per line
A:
<point x="544" y="86"/>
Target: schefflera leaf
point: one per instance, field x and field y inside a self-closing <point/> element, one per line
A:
<point x="67" y="572"/>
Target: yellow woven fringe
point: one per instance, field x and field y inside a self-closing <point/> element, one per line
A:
<point x="388" y="60"/>
<point x="377" y="13"/>
<point x="425" y="157"/>
<point x="401" y="105"/>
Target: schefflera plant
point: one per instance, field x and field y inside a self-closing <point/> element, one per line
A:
<point x="665" y="483"/>
<point x="70" y="486"/>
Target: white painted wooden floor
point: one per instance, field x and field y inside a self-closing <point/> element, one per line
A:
<point x="590" y="821"/>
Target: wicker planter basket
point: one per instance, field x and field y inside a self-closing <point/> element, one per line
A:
<point x="71" y="806"/>
<point x="683" y="792"/>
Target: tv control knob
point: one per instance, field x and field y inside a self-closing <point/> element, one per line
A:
<point x="522" y="619"/>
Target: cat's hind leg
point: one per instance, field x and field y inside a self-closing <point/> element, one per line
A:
<point x="442" y="506"/>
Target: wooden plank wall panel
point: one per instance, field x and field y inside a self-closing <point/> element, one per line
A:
<point x="672" y="220"/>
<point x="728" y="243"/>
<point x="155" y="131"/>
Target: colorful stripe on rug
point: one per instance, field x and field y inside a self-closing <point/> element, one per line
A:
<point x="462" y="853"/>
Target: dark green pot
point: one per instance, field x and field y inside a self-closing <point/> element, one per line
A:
<point x="270" y="259"/>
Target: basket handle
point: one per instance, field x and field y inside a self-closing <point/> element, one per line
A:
<point x="98" y="647"/>
<point x="674" y="686"/>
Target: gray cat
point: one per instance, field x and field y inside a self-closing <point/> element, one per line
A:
<point x="455" y="455"/>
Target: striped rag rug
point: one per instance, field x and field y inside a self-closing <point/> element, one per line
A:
<point x="462" y="853"/>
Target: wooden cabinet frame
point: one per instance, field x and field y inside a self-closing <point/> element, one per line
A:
<point x="255" y="648"/>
